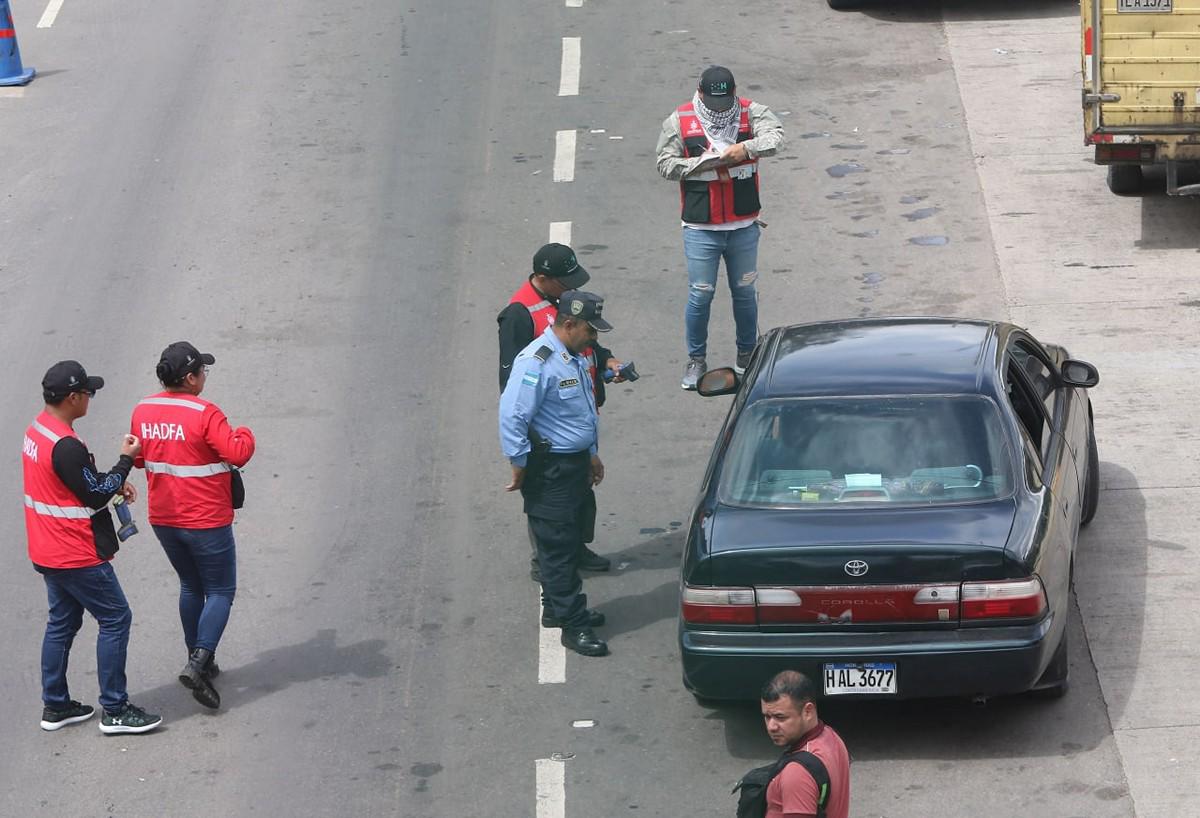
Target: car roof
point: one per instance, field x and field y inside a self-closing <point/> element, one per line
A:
<point x="880" y="356"/>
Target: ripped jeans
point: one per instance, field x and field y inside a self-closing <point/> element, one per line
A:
<point x="704" y="250"/>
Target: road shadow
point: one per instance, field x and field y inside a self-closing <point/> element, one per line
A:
<point x="1168" y="222"/>
<point x="633" y="612"/>
<point x="1012" y="727"/>
<point x="271" y="671"/>
<point x="932" y="11"/>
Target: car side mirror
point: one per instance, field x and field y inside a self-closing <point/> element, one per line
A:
<point x="723" y="381"/>
<point x="1079" y="373"/>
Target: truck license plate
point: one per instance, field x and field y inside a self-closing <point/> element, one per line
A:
<point x="860" y="677"/>
<point x="1144" y="6"/>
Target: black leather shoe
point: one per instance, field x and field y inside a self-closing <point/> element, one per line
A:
<point x="595" y="619"/>
<point x="589" y="560"/>
<point x="583" y="641"/>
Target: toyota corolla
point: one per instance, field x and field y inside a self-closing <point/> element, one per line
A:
<point x="892" y="507"/>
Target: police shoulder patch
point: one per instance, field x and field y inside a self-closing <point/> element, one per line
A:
<point x="531" y="379"/>
<point x="543" y="353"/>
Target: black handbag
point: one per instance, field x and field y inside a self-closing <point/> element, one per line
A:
<point x="237" y="487"/>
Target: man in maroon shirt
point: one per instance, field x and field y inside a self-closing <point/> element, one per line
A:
<point x="790" y="713"/>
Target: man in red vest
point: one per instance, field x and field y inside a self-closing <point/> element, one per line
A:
<point x="711" y="146"/>
<point x="71" y="541"/>
<point x="529" y="312"/>
<point x="188" y="451"/>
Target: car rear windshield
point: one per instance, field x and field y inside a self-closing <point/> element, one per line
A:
<point x="832" y="452"/>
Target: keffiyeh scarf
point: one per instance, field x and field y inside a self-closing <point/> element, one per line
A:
<point x="719" y="126"/>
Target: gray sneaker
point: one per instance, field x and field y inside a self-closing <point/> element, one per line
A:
<point x="691" y="374"/>
<point x="743" y="361"/>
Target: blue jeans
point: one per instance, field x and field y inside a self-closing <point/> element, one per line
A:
<point x="206" y="561"/>
<point x="704" y="250"/>
<point x="70" y="592"/>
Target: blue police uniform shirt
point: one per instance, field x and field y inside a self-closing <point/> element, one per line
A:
<point x="554" y="398"/>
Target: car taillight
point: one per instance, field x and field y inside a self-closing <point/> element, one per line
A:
<point x="718" y="606"/>
<point x="1009" y="599"/>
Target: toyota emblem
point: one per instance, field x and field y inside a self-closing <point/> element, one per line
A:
<point x="856" y="568"/>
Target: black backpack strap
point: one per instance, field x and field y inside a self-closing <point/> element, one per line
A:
<point x="816" y="768"/>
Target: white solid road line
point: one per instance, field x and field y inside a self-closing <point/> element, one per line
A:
<point x="560" y="233"/>
<point x="552" y="656"/>
<point x="574" y="4"/>
<point x="564" y="156"/>
<point x="568" y="83"/>
<point x="49" y="15"/>
<point x="551" y="788"/>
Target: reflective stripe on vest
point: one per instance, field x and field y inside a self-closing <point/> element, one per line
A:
<point x="64" y="512"/>
<point x="205" y="470"/>
<point x="181" y="402"/>
<point x="46" y="433"/>
<point x="719" y="181"/>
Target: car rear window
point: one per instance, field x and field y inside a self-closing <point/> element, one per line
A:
<point x="833" y="452"/>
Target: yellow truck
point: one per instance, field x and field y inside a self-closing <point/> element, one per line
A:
<point x="1141" y="88"/>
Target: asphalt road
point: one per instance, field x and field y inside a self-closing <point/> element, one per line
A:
<point x="336" y="200"/>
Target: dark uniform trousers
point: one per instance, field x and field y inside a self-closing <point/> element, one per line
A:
<point x="560" y="506"/>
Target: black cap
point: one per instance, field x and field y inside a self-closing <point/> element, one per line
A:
<point x="585" y="306"/>
<point x="179" y="360"/>
<point x="558" y="261"/>
<point x="66" y="377"/>
<point x="717" y="88"/>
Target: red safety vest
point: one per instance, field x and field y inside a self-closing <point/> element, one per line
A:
<point x="58" y="525"/>
<point x="720" y="195"/>
<point x="542" y="311"/>
<point x="187" y="480"/>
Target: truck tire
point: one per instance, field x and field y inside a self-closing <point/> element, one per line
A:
<point x="1125" y="180"/>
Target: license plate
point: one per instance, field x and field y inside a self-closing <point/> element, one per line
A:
<point x="860" y="677"/>
<point x="1144" y="6"/>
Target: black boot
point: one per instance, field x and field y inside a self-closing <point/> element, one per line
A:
<point x="195" y="679"/>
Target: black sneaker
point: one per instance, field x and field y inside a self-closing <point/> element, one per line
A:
<point x="131" y="719"/>
<point x="74" y="712"/>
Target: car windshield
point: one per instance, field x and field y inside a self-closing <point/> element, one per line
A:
<point x="831" y="452"/>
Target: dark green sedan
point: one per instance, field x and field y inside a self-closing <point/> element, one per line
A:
<point x="891" y="507"/>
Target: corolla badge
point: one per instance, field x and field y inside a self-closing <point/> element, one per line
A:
<point x="856" y="568"/>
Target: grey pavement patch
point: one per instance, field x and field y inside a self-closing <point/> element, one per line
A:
<point x="838" y="171"/>
<point x="929" y="241"/>
<point x="922" y="213"/>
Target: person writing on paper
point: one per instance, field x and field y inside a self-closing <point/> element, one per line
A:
<point x="711" y="146"/>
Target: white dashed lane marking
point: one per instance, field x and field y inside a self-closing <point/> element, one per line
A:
<point x="551" y="788"/>
<point x="564" y="156"/>
<point x="574" y="4"/>
<point x="50" y="14"/>
<point x="568" y="82"/>
<point x="560" y="232"/>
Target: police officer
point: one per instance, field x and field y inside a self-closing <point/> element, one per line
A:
<point x="529" y="312"/>
<point x="549" y="433"/>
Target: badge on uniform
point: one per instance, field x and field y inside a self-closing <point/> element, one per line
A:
<point x="531" y="379"/>
<point x="567" y="383"/>
<point x="566" y="358"/>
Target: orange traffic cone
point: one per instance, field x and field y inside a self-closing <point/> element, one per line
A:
<point x="11" y="72"/>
